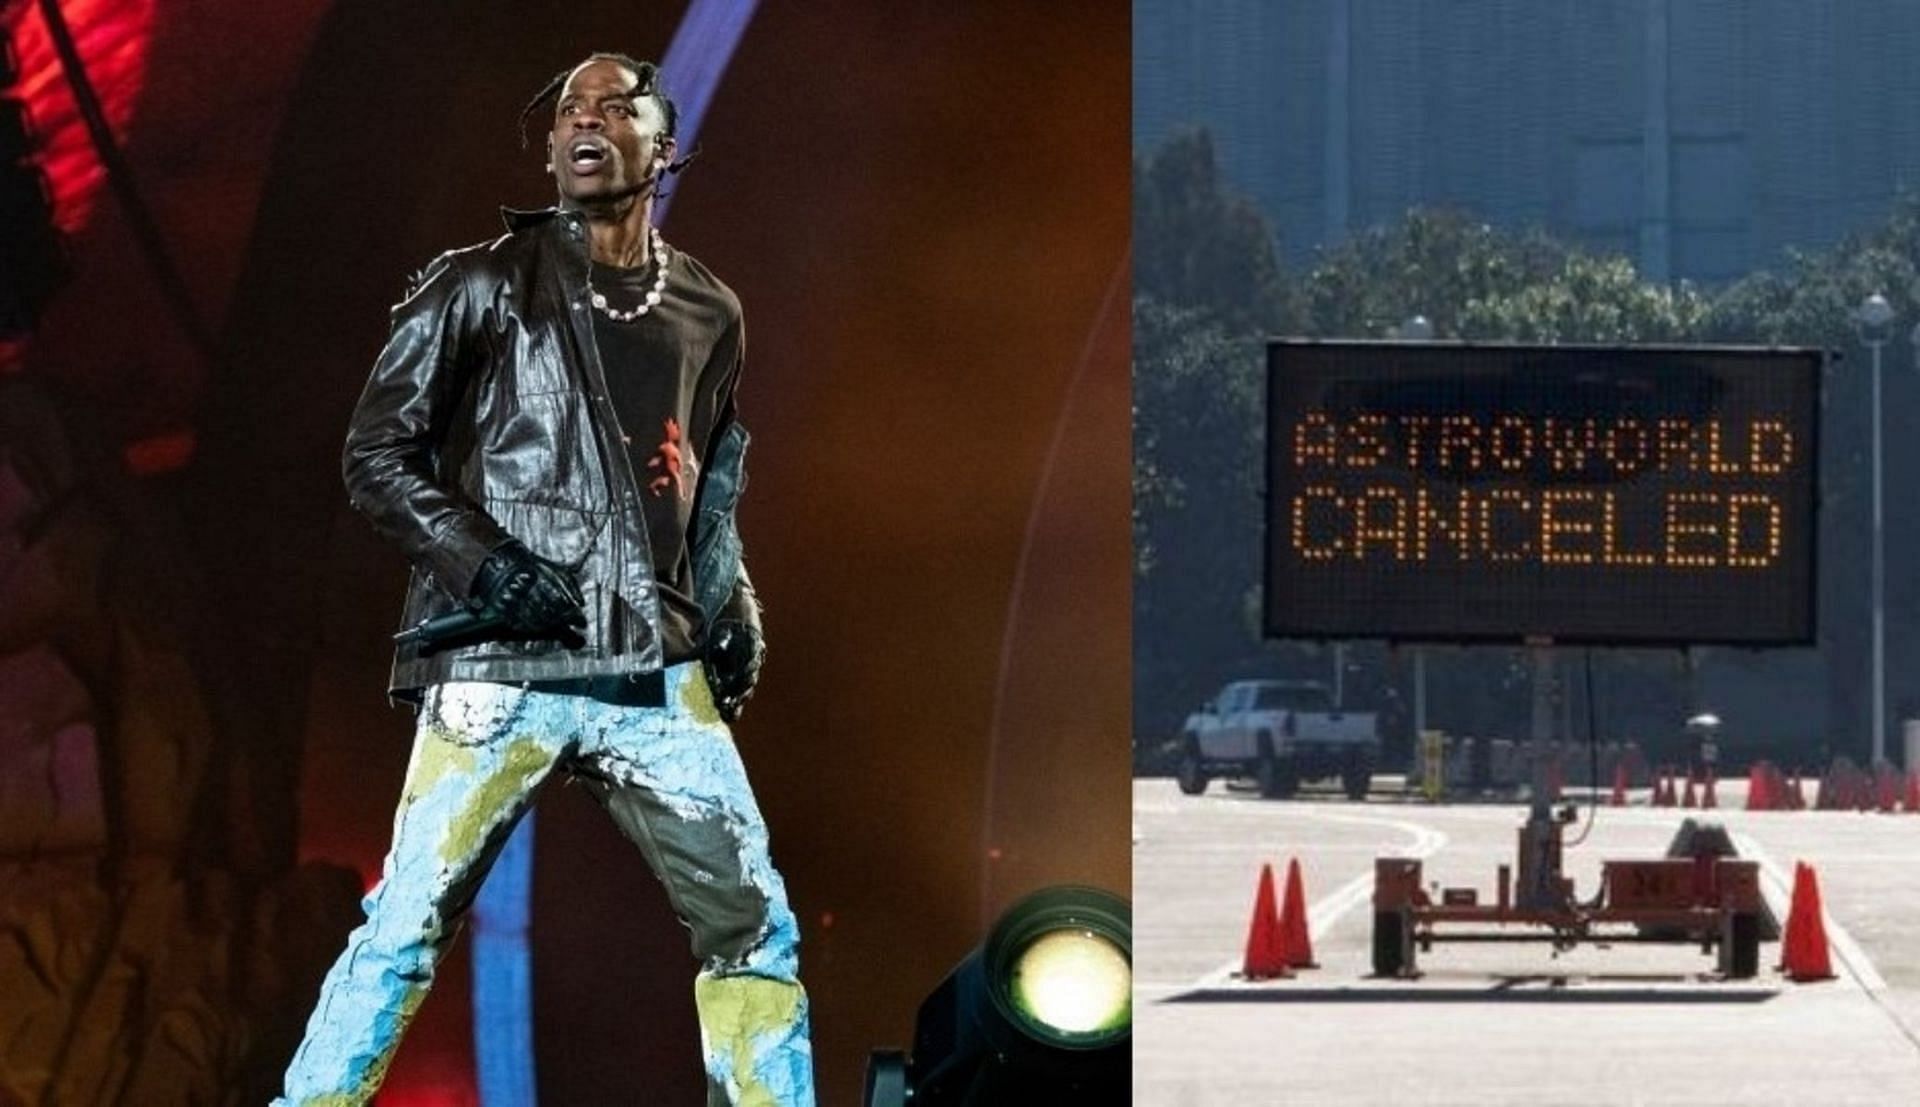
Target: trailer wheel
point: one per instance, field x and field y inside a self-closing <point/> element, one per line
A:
<point x="1392" y="944"/>
<point x="1191" y="773"/>
<point x="1741" y="955"/>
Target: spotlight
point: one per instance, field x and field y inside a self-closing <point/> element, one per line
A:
<point x="1041" y="1012"/>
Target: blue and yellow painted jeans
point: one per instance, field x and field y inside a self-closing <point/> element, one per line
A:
<point x="674" y="784"/>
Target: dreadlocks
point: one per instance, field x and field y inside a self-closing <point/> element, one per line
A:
<point x="646" y="74"/>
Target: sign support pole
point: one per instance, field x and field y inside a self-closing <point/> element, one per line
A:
<point x="1541" y="653"/>
<point x="1419" y="690"/>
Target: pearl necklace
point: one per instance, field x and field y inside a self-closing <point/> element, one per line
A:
<point x="653" y="297"/>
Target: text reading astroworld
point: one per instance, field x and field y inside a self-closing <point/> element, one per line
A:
<point x="1621" y="492"/>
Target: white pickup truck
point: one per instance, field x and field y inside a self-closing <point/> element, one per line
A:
<point x="1280" y="732"/>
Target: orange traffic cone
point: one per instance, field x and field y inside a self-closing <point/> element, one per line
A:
<point x="1913" y="792"/>
<point x="1758" y="794"/>
<point x="1662" y="788"/>
<point x="1886" y="788"/>
<point x="1803" y="948"/>
<point x="1707" y="798"/>
<point x="1296" y="943"/>
<point x="1796" y="794"/>
<point x="1619" y="796"/>
<point x="1265" y="959"/>
<point x="1688" y="799"/>
<point x="1796" y="911"/>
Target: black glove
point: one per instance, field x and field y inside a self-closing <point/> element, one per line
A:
<point x="734" y="655"/>
<point x="529" y="594"/>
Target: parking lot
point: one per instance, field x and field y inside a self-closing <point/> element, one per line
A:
<point x="1508" y="1023"/>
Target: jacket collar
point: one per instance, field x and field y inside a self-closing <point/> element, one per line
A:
<point x="520" y="219"/>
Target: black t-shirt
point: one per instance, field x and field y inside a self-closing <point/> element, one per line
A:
<point x="670" y="374"/>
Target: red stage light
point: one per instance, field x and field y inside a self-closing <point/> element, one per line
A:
<point x="162" y="453"/>
<point x="112" y="37"/>
<point x="13" y="354"/>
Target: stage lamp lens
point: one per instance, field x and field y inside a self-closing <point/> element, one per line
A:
<point x="1039" y="1012"/>
<point x="1074" y="981"/>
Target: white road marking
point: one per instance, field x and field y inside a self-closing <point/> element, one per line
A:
<point x="1324" y="913"/>
<point x="1779" y="891"/>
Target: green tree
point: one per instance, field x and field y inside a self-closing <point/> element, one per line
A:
<point x="1199" y="245"/>
<point x="1588" y="299"/>
<point x="1809" y="301"/>
<point x="1196" y="397"/>
<point x="1208" y="284"/>
<point x="1432" y="263"/>
<point x="1476" y="282"/>
<point x="1197" y="387"/>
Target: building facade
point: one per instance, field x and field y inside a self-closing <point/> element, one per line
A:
<point x="1699" y="137"/>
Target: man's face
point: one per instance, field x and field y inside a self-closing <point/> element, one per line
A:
<point x="605" y="139"/>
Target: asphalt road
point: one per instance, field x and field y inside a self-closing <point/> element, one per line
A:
<point x="1508" y="1024"/>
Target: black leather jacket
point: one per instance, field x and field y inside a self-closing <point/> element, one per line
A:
<point x="487" y="418"/>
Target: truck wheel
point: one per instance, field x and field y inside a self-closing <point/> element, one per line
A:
<point x="1266" y="771"/>
<point x="1277" y="779"/>
<point x="1191" y="774"/>
<point x="1357" y="780"/>
<point x="1392" y="944"/>
<point x="1741" y="957"/>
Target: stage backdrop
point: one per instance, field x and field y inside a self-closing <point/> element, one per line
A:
<point x="923" y="208"/>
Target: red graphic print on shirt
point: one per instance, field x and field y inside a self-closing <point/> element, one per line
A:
<point x="673" y="464"/>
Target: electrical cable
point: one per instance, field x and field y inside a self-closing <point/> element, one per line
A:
<point x="1593" y="754"/>
<point x="140" y="220"/>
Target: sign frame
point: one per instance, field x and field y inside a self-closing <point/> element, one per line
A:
<point x="1814" y="362"/>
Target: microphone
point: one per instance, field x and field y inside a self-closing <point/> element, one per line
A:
<point x="436" y="632"/>
<point x="462" y="627"/>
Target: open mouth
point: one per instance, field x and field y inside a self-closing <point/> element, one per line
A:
<point x="586" y="158"/>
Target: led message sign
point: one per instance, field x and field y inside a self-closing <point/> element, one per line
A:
<point x="1441" y="492"/>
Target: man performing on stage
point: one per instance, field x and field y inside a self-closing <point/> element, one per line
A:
<point x="549" y="435"/>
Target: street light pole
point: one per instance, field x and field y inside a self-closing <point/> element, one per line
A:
<point x="1879" y="579"/>
<point x="1873" y="319"/>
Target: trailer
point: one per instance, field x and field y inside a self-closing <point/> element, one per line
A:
<point x="1713" y="902"/>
